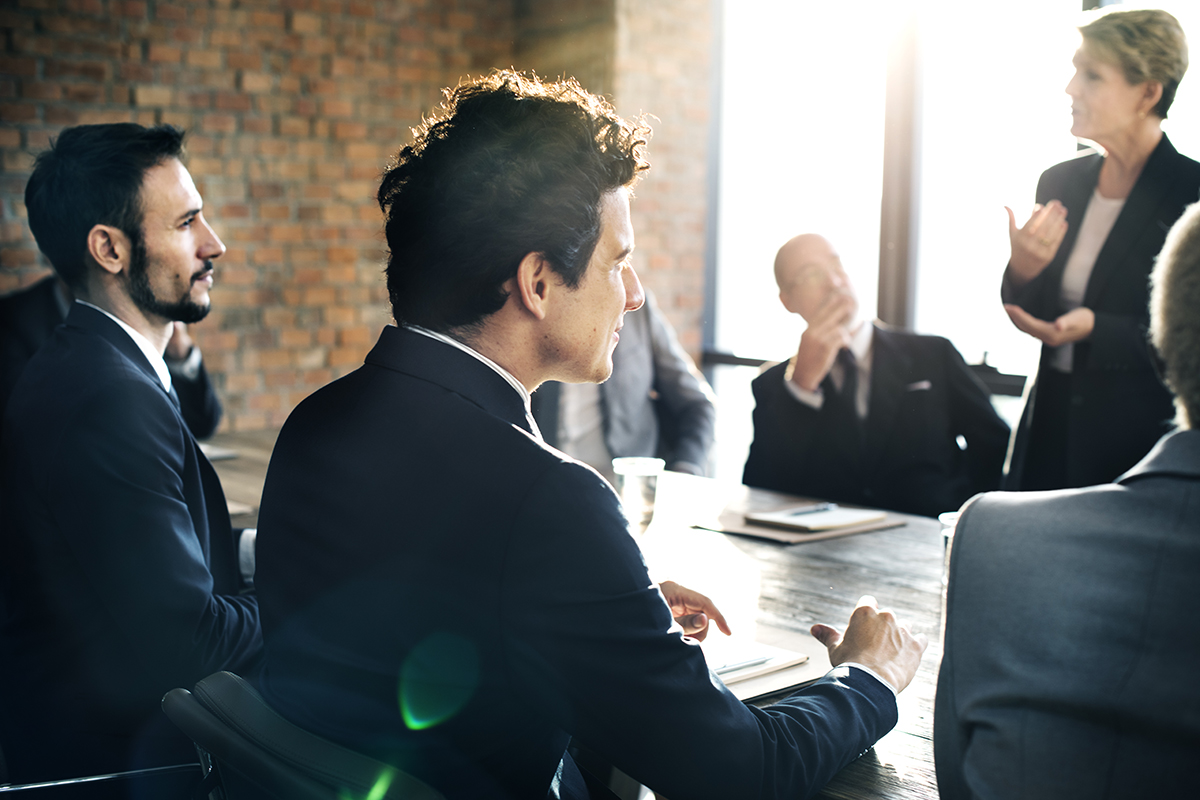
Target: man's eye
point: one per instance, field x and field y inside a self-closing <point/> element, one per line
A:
<point x="187" y="223"/>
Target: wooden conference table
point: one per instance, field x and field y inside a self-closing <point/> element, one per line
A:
<point x="769" y="591"/>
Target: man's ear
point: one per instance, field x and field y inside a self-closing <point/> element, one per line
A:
<point x="534" y="280"/>
<point x="110" y="248"/>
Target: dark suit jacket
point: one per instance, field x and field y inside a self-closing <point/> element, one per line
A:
<point x="1071" y="639"/>
<point x="655" y="404"/>
<point x="442" y="590"/>
<point x="1112" y="376"/>
<point x="117" y="562"/>
<point x="922" y="397"/>
<point x="28" y="318"/>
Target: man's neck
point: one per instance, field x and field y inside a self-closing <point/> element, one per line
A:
<point x="503" y="345"/>
<point x="118" y="303"/>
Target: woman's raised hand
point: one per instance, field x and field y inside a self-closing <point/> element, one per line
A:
<point x="1034" y="245"/>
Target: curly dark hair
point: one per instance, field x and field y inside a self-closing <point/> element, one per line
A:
<point x="508" y="165"/>
<point x="92" y="175"/>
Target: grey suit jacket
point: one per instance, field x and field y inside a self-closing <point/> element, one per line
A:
<point x="1071" y="639"/>
<point x="655" y="404"/>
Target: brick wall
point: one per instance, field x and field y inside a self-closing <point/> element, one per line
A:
<point x="294" y="106"/>
<point x="662" y="67"/>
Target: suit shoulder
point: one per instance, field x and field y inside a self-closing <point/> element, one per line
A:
<point x="771" y="374"/>
<point x="913" y="342"/>
<point x="1080" y="162"/>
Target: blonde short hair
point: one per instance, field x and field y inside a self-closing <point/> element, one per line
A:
<point x="1174" y="320"/>
<point x="1147" y="44"/>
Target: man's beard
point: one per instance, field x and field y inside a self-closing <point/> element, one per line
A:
<point x="183" y="310"/>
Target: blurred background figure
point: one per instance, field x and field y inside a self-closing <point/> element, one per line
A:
<point x="655" y="404"/>
<point x="1078" y="276"/>
<point x="28" y="317"/>
<point x="864" y="413"/>
<point x="1071" y="642"/>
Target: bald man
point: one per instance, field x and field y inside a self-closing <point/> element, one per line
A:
<point x="864" y="413"/>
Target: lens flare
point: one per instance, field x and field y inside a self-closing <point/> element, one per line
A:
<point x="378" y="790"/>
<point x="437" y="679"/>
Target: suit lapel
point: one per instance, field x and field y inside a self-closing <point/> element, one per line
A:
<point x="1142" y="208"/>
<point x="98" y="323"/>
<point x="889" y="366"/>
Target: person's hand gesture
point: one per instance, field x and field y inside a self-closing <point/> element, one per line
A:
<point x="825" y="335"/>
<point x="1035" y="244"/>
<point x="692" y="610"/>
<point x="878" y="641"/>
<point x="179" y="346"/>
<point x="1073" y="326"/>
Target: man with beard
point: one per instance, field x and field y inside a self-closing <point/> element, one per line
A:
<point x="118" y="566"/>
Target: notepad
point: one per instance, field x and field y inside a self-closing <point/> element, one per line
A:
<point x="816" y="517"/>
<point x="739" y="661"/>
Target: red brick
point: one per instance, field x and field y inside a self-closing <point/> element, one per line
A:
<point x="21" y="67"/>
<point x="88" y="70"/>
<point x="162" y="54"/>
<point x="208" y="59"/>
<point x="41" y="90"/>
<point x="152" y="96"/>
<point x="350" y="130"/>
<point x="129" y="8"/>
<point x="18" y="112"/>
<point x="257" y="82"/>
<point x="306" y="23"/>
<point x="243" y="60"/>
<point x="218" y="123"/>
<point x="267" y="19"/>
<point x="84" y="93"/>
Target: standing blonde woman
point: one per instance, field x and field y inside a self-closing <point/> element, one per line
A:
<point x="1079" y="273"/>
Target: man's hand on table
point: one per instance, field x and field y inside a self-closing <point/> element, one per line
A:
<point x="692" y="610"/>
<point x="878" y="641"/>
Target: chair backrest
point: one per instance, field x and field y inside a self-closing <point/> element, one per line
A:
<point x="260" y="754"/>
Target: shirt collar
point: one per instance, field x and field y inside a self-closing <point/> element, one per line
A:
<point x="860" y="342"/>
<point x="152" y="355"/>
<point x="499" y="370"/>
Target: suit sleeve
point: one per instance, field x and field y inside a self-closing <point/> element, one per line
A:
<point x="783" y="431"/>
<point x="973" y="417"/>
<point x="598" y="650"/>
<point x="119" y="498"/>
<point x="197" y="399"/>
<point x="684" y="392"/>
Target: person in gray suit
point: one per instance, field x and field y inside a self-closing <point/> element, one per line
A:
<point x="655" y="404"/>
<point x="1071" y="643"/>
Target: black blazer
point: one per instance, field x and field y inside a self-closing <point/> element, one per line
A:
<point x="1119" y="407"/>
<point x="922" y="397"/>
<point x="28" y="318"/>
<point x="442" y="590"/>
<point x="1071" y="640"/>
<point x="117" y="562"/>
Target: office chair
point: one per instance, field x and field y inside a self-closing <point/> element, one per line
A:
<point x="179" y="781"/>
<point x="253" y="752"/>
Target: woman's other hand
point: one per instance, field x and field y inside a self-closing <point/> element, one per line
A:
<point x="1034" y="245"/>
<point x="1073" y="326"/>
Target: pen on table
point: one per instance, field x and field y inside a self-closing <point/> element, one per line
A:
<point x="752" y="662"/>
<point x="813" y="509"/>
